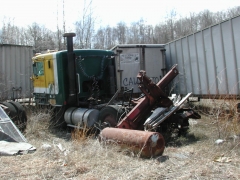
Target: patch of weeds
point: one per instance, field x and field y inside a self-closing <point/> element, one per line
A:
<point x="81" y="134"/>
<point x="182" y="140"/>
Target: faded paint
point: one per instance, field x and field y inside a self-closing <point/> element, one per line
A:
<point x="131" y="58"/>
<point x="15" y="71"/>
<point x="208" y="60"/>
<point x="44" y="81"/>
<point x="143" y="143"/>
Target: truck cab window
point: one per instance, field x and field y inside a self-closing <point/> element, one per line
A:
<point x="38" y="69"/>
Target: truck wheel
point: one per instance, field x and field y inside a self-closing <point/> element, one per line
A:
<point x="13" y="115"/>
<point x="22" y="116"/>
<point x="110" y="115"/>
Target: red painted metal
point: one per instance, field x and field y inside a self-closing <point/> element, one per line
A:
<point x="143" y="143"/>
<point x="172" y="73"/>
<point x="154" y="94"/>
<point x="131" y="120"/>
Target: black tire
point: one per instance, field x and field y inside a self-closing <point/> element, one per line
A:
<point x="13" y="113"/>
<point x="12" y="109"/>
<point x="22" y="116"/>
<point x="110" y="115"/>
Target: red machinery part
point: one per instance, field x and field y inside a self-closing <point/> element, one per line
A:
<point x="153" y="93"/>
<point x="144" y="143"/>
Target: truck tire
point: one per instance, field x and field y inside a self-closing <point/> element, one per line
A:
<point x="14" y="116"/>
<point x="22" y="116"/>
<point x="110" y="115"/>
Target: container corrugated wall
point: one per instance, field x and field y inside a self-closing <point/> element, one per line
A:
<point x="132" y="58"/>
<point x="208" y="61"/>
<point x="15" y="71"/>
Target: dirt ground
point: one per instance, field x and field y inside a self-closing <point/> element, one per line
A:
<point x="59" y="156"/>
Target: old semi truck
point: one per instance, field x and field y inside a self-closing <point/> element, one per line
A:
<point x="82" y="87"/>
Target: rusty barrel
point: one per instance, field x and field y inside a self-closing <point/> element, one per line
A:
<point x="144" y="143"/>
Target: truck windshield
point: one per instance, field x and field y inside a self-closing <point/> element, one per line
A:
<point x="38" y="69"/>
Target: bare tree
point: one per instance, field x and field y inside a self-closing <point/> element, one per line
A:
<point x="9" y="33"/>
<point x="110" y="38"/>
<point x="206" y="19"/>
<point x="107" y="37"/>
<point x="42" y="38"/>
<point x="139" y="33"/>
<point x="233" y="12"/>
<point x="85" y="27"/>
<point x="121" y="32"/>
<point x="148" y="34"/>
<point x="99" y="39"/>
<point x="171" y="18"/>
<point x="133" y="33"/>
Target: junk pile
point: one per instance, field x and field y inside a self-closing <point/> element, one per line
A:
<point x="12" y="141"/>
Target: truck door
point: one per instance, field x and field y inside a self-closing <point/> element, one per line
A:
<point x="49" y="76"/>
<point x="43" y="75"/>
<point x="39" y="78"/>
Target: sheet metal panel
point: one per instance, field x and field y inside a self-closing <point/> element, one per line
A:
<point x="193" y="64"/>
<point x="15" y="71"/>
<point x="132" y="58"/>
<point x="208" y="60"/>
<point x="187" y="65"/>
<point x="229" y="52"/>
<point x="154" y="63"/>
<point x="210" y="65"/>
<point x="130" y="64"/>
<point x="202" y="64"/>
<point x="220" y="69"/>
<point x="181" y="68"/>
<point x="174" y="84"/>
<point x="9" y="128"/>
<point x="236" y="38"/>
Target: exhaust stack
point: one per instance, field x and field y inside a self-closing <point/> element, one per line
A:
<point x="72" y="98"/>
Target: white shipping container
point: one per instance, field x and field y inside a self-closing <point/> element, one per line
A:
<point x="208" y="60"/>
<point x="132" y="58"/>
<point x="15" y="71"/>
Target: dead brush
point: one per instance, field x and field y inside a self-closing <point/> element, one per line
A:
<point x="81" y="134"/>
<point x="226" y="116"/>
<point x="223" y="113"/>
<point x="38" y="121"/>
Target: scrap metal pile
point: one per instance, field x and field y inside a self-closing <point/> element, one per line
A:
<point x="12" y="141"/>
<point x="153" y="111"/>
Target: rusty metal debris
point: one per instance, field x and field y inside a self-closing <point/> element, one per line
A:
<point x="154" y="95"/>
<point x="155" y="101"/>
<point x="12" y="141"/>
<point x="153" y="123"/>
<point x="145" y="144"/>
<point x="7" y="127"/>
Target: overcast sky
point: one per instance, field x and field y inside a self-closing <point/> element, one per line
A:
<point x="107" y="12"/>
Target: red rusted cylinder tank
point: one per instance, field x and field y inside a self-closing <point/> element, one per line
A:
<point x="143" y="143"/>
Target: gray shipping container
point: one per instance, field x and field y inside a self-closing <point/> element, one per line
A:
<point x="132" y="58"/>
<point x="208" y="60"/>
<point x="15" y="71"/>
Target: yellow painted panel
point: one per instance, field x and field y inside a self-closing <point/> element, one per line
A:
<point x="39" y="81"/>
<point x="48" y="66"/>
<point x="48" y="76"/>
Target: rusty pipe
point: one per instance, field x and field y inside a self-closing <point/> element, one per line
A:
<point x="143" y="143"/>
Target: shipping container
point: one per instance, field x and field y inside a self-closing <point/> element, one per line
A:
<point x="132" y="58"/>
<point x="208" y="60"/>
<point x="15" y="71"/>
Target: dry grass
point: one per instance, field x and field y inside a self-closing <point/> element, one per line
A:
<point x="63" y="154"/>
<point x="223" y="113"/>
